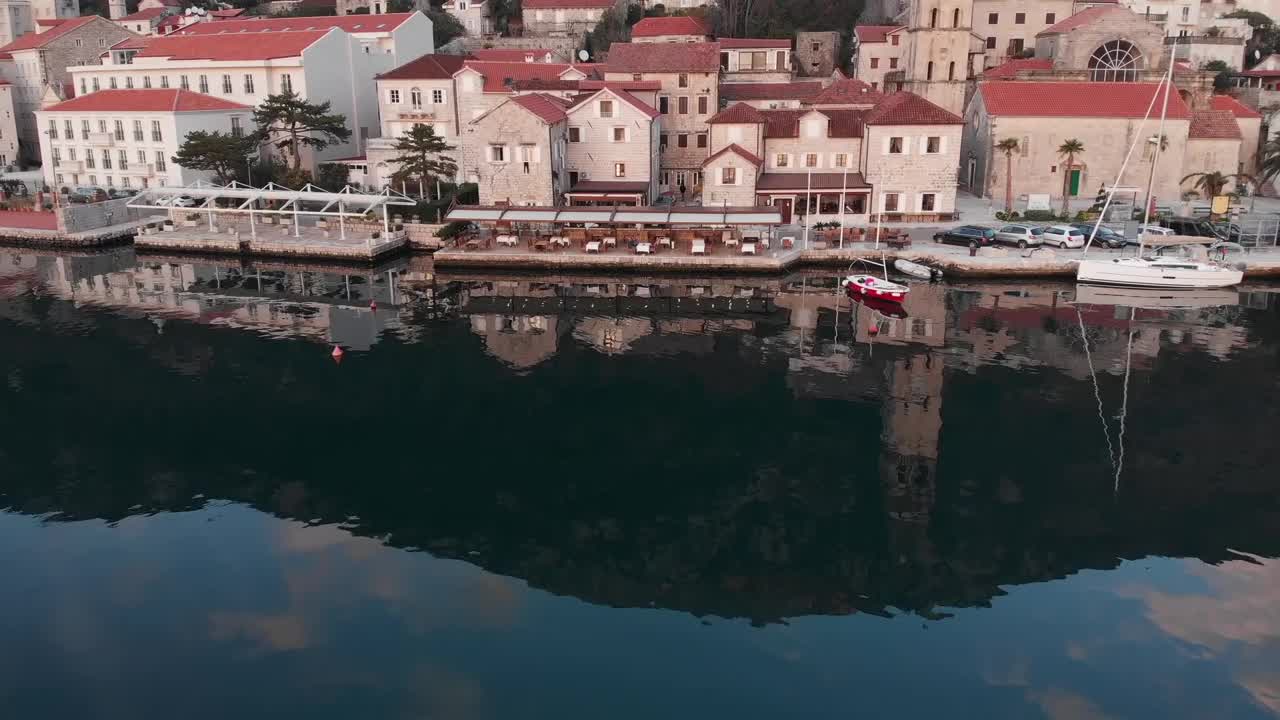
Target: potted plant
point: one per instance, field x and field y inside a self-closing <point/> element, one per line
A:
<point x="376" y="234"/>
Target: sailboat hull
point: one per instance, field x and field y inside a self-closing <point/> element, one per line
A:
<point x="1171" y="276"/>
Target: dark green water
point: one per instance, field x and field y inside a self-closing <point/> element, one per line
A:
<point x="580" y="497"/>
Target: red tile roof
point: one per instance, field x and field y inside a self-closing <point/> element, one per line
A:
<point x="621" y="84"/>
<point x="845" y="122"/>
<point x="551" y="4"/>
<point x="545" y="107"/>
<point x="841" y="122"/>
<point x="672" y="58"/>
<point x="635" y="102"/>
<point x="1010" y="69"/>
<point x="501" y="77"/>
<point x="226" y="13"/>
<point x="770" y="91"/>
<point x="50" y="22"/>
<point x="506" y="55"/>
<point x="153" y="100"/>
<point x="904" y="108"/>
<point x="1234" y="106"/>
<point x="1084" y="17"/>
<point x="148" y="14"/>
<point x="427" y="67"/>
<point x="1102" y="99"/>
<point x="744" y="43"/>
<point x="545" y="85"/>
<point x="737" y="150"/>
<point x="782" y="123"/>
<point x="875" y="33"/>
<point x="848" y="92"/>
<point x="673" y="25"/>
<point x="32" y="41"/>
<point x="736" y="114"/>
<point x="134" y="43"/>
<point x="348" y="23"/>
<point x="1214" y="125"/>
<point x="181" y="46"/>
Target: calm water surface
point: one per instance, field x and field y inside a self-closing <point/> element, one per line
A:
<point x="616" y="498"/>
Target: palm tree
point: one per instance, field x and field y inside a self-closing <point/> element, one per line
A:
<point x="1069" y="148"/>
<point x="1211" y="184"/>
<point x="1269" y="167"/>
<point x="1008" y="146"/>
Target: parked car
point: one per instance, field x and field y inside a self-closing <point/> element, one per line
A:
<point x="121" y="193"/>
<point x="972" y="235"/>
<point x="1105" y="236"/>
<point x="1190" y="226"/>
<point x="1023" y="236"/>
<point x="1148" y="230"/>
<point x="182" y="201"/>
<point x="82" y="195"/>
<point x="1063" y="236"/>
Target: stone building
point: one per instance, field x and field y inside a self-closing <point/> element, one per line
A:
<point x="770" y="96"/>
<point x="670" y="29"/>
<point x="688" y="74"/>
<point x="1111" y="42"/>
<point x="143" y="22"/>
<point x="878" y="51"/>
<point x="37" y="65"/>
<point x="940" y="52"/>
<point x="1198" y="140"/>
<point x="519" y="151"/>
<point x="473" y="15"/>
<point x="754" y="60"/>
<point x="817" y="53"/>
<point x="893" y="154"/>
<point x="1008" y="28"/>
<point x="569" y="18"/>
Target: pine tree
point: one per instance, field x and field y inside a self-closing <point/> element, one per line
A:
<point x="290" y="123"/>
<point x="420" y="156"/>
<point x="222" y="155"/>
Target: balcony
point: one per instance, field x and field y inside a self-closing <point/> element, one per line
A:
<point x="102" y="139"/>
<point x="426" y="115"/>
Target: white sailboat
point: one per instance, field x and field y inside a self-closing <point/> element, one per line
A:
<point x="1156" y="271"/>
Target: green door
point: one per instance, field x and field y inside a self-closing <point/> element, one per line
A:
<point x="1075" y="182"/>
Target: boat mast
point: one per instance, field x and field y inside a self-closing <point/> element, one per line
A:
<point x="1155" y="158"/>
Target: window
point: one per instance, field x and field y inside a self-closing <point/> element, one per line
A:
<point x="155" y="131"/>
<point x="66" y="124"/>
<point x="890" y="202"/>
<point x="1115" y="61"/>
<point x="204" y="84"/>
<point x="106" y="159"/>
<point x="683" y="81"/>
<point x="142" y="157"/>
<point x="237" y="130"/>
<point x="1019" y="18"/>
<point x="993" y="18"/>
<point x="415" y="98"/>
<point x="933" y="18"/>
<point x="662" y="141"/>
<point x="248" y="84"/>
<point x="702" y="139"/>
<point x="781" y="160"/>
<point x="619" y="134"/>
<point x="991" y="42"/>
<point x="112" y="82"/>
<point x="782" y="60"/>
<point x="682" y="103"/>
<point x="875" y="63"/>
<point x="619" y="170"/>
<point x="811" y="160"/>
<point x="79" y="42"/>
<point x="93" y="179"/>
<point x="932" y="145"/>
<point x="58" y="178"/>
<point x="89" y="162"/>
<point x="71" y="154"/>
<point x="498" y="153"/>
<point x="95" y="84"/>
<point x="393" y="97"/>
<point x="84" y="87"/>
<point x="160" y="161"/>
<point x="1050" y="18"/>
<point x="183" y="83"/>
<point x="226" y="84"/>
<point x="102" y="126"/>
<point x="137" y="131"/>
<point x="124" y="181"/>
<point x="575" y="135"/>
<point x="955" y="18"/>
<point x="664" y="105"/>
<point x="528" y="155"/>
<point x="119" y="130"/>
<point x="146" y="82"/>
<point x="951" y="70"/>
<point x="840" y="160"/>
<point x="606" y="108"/>
<point x="702" y="104"/>
<point x="437" y="97"/>
<point x="895" y="146"/>
<point x="164" y="81"/>
<point x="1186" y="13"/>
<point x="84" y="129"/>
<point x="682" y="140"/>
<point x="57" y="157"/>
<point x="928" y="71"/>
<point x="53" y="130"/>
<point x="124" y="160"/>
<point x="128" y="82"/>
<point x="893" y="40"/>
<point x="286" y="83"/>
<point x="927" y="202"/>
<point x="893" y="63"/>
<point x="729" y="176"/>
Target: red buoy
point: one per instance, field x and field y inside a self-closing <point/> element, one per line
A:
<point x="337" y="353"/>
<point x="373" y="304"/>
<point x="873" y="329"/>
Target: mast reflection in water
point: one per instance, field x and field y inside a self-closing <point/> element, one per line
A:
<point x="627" y="497"/>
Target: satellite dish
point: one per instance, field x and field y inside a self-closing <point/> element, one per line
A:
<point x="583" y="55"/>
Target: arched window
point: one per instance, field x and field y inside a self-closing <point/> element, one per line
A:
<point x="955" y="18"/>
<point x="928" y="73"/>
<point x="951" y="70"/>
<point x="933" y="18"/>
<point x="1115" y="61"/>
<point x="415" y="98"/>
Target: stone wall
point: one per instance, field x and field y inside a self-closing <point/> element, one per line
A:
<point x="93" y="216"/>
<point x="820" y="61"/>
<point x="512" y="127"/>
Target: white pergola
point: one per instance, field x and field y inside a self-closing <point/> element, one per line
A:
<point x="347" y="203"/>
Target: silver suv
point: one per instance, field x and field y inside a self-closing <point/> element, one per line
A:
<point x="1024" y="236"/>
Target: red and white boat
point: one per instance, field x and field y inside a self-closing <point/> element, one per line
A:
<point x="873" y="287"/>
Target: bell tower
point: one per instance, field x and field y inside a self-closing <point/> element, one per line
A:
<point x="940" y="44"/>
<point x="116" y="9"/>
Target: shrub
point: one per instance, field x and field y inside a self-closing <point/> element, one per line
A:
<point x="1011" y="215"/>
<point x="1040" y="215"/>
<point x="454" y="229"/>
<point x="376" y="234"/>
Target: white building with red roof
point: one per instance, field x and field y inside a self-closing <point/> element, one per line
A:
<point x="39" y="64"/>
<point x="565" y="18"/>
<point x="670" y="29"/>
<point x="896" y="154"/>
<point x="877" y="51"/>
<point x="19" y="17"/>
<point x="1199" y="140"/>
<point x="127" y="138"/>
<point x="322" y="59"/>
<point x="144" y="22"/>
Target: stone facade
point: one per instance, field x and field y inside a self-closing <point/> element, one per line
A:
<point x="730" y="179"/>
<point x="1072" y="49"/>
<point x="568" y="18"/>
<point x="879" y="56"/>
<point x="686" y="101"/>
<point x="918" y="177"/>
<point x="515" y="157"/>
<point x="472" y="14"/>
<point x="594" y="151"/>
<point x="940" y="48"/>
<point x="1007" y="28"/>
<point x="755" y="61"/>
<point x="817" y="53"/>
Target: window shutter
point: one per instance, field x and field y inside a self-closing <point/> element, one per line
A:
<point x="884" y="145"/>
<point x="906" y="145"/>
<point x="924" y="144"/>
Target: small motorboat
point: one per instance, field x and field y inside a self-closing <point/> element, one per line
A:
<point x="874" y="287"/>
<point x="914" y="269"/>
<point x="887" y="308"/>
